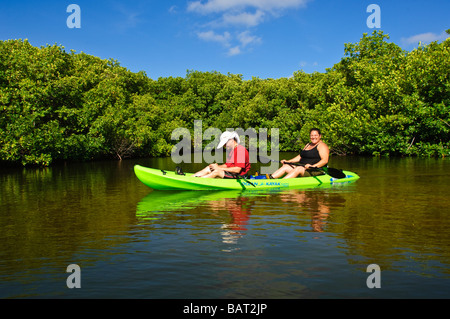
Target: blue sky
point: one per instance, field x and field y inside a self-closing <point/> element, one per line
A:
<point x="255" y="38"/>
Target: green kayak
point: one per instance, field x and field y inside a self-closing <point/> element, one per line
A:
<point x="167" y="180"/>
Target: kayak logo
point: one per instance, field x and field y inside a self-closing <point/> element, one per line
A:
<point x="190" y="149"/>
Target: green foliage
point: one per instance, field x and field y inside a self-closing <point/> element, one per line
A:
<point x="378" y="100"/>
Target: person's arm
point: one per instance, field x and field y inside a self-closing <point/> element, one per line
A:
<point x="215" y="166"/>
<point x="293" y="160"/>
<point x="233" y="169"/>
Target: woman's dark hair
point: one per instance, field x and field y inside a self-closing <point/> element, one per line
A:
<point x="315" y="129"/>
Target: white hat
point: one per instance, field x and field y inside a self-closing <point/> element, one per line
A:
<point x="226" y="136"/>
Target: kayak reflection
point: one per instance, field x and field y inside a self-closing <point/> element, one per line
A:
<point x="156" y="203"/>
<point x="234" y="204"/>
<point x="230" y="211"/>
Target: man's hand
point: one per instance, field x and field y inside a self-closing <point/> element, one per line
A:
<point x="213" y="166"/>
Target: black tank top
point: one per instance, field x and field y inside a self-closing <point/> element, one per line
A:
<point x="311" y="156"/>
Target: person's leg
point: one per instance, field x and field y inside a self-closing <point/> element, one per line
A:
<point x="218" y="173"/>
<point x="203" y="172"/>
<point x="285" y="169"/>
<point x="298" y="171"/>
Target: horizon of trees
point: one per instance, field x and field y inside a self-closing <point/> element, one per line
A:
<point x="379" y="100"/>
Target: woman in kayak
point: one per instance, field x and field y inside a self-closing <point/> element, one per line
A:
<point x="314" y="154"/>
<point x="237" y="163"/>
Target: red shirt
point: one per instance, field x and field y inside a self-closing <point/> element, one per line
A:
<point x="239" y="157"/>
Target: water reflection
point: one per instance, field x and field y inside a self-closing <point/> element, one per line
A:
<point x="234" y="204"/>
<point x="235" y="228"/>
<point x="307" y="210"/>
<point x="316" y="204"/>
<point x="239" y="244"/>
<point x="50" y="215"/>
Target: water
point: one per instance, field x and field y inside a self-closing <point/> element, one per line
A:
<point x="132" y="242"/>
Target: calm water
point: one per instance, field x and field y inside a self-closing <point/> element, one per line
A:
<point x="132" y="242"/>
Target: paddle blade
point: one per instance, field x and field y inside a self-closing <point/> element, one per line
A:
<point x="334" y="172"/>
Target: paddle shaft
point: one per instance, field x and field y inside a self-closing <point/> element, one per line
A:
<point x="242" y="177"/>
<point x="333" y="172"/>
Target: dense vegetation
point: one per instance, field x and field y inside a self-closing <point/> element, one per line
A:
<point x="378" y="100"/>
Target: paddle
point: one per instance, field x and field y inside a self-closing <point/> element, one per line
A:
<point x="241" y="177"/>
<point x="179" y="171"/>
<point x="333" y="172"/>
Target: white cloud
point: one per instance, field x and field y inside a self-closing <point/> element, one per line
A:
<point x="173" y="9"/>
<point x="234" y="51"/>
<point x="214" y="6"/>
<point x="129" y="18"/>
<point x="245" y="38"/>
<point x="241" y="16"/>
<point x="305" y="64"/>
<point x="214" y="37"/>
<point x="244" y="18"/>
<point x="425" y="38"/>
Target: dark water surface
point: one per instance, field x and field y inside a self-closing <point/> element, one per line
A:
<point x="132" y="242"/>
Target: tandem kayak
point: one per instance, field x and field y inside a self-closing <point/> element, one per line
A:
<point x="168" y="180"/>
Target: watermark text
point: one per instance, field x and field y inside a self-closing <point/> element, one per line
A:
<point x="256" y="142"/>
<point x="74" y="19"/>
<point x="374" y="20"/>
<point x="374" y="280"/>
<point x="74" y="279"/>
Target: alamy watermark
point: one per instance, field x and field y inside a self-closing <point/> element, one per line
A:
<point x="374" y="20"/>
<point x="74" y="19"/>
<point x="74" y="279"/>
<point x="374" y="280"/>
<point x="190" y="149"/>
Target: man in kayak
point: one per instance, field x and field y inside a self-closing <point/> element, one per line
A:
<point x="314" y="154"/>
<point x="237" y="163"/>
